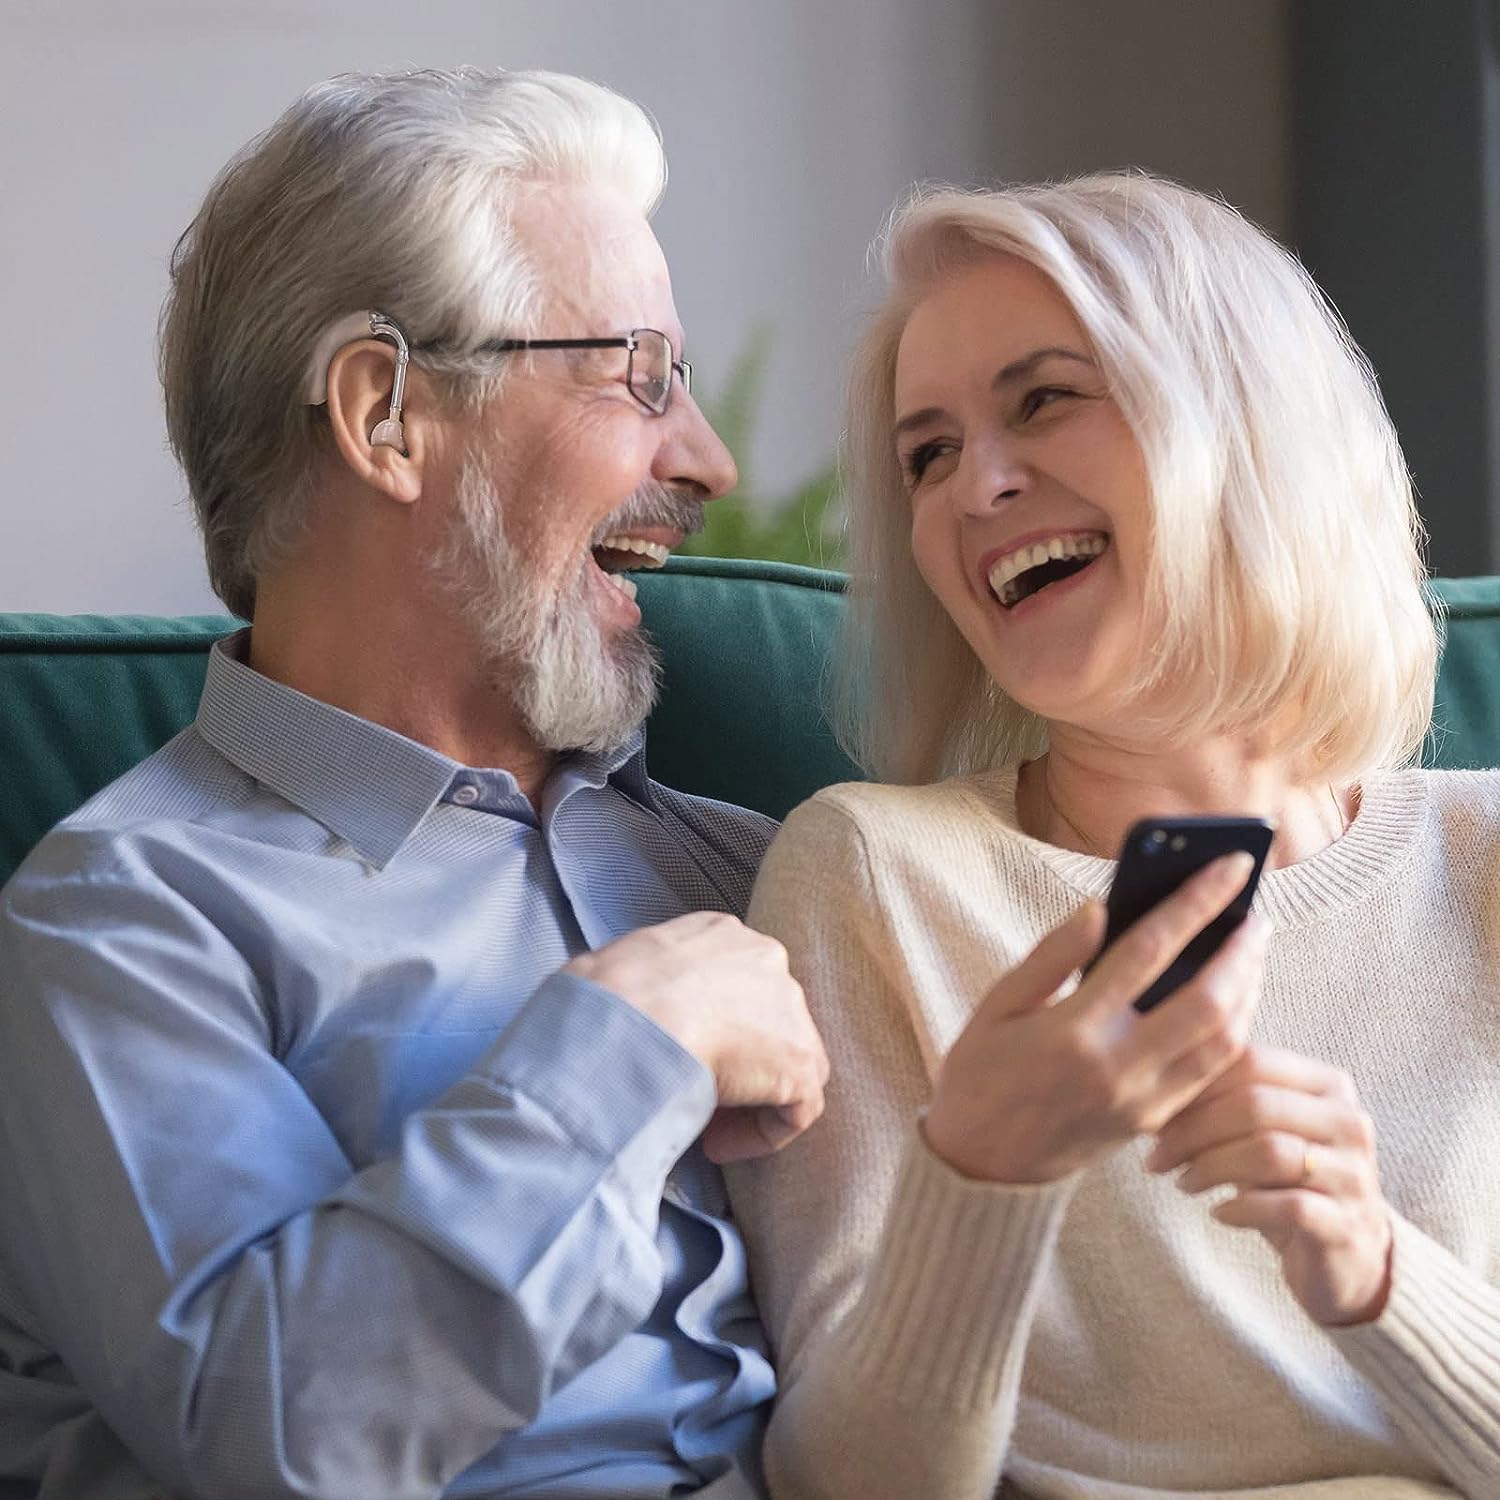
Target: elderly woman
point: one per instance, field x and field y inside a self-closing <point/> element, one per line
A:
<point x="1133" y="537"/>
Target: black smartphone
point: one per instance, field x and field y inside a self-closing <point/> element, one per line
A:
<point x="1159" y="854"/>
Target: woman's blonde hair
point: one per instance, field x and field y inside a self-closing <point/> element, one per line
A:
<point x="1286" y="550"/>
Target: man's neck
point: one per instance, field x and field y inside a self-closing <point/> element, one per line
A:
<point x="1085" y="794"/>
<point x="405" y="667"/>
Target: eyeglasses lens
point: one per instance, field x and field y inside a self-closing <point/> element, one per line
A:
<point x="650" y="374"/>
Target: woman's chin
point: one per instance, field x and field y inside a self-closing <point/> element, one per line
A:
<point x="1057" y="698"/>
<point x="1079" y="677"/>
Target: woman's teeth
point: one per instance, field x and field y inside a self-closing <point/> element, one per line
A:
<point x="1005" y="575"/>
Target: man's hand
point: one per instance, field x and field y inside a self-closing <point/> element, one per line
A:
<point x="1289" y="1135"/>
<point x="725" y="994"/>
<point x="1039" y="1086"/>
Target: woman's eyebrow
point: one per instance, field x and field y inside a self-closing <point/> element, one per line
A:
<point x="1019" y="368"/>
<point x="917" y="419"/>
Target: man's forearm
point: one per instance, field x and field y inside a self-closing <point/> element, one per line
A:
<point x="276" y="1321"/>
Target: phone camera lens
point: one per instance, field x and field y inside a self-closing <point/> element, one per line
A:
<point x="1154" y="841"/>
<point x="1179" y="844"/>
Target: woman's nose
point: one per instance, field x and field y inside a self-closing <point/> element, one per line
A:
<point x="997" y="476"/>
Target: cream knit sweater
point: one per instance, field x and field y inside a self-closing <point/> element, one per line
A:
<point x="1103" y="1337"/>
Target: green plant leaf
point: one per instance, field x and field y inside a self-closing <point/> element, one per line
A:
<point x="734" y="411"/>
<point x="798" y="528"/>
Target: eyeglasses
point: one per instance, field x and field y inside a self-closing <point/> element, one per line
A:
<point x="648" y="374"/>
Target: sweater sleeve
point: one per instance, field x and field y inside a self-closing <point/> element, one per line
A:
<point x="1434" y="1356"/>
<point x="898" y="1294"/>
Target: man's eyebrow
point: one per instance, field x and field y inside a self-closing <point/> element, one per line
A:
<point x="1017" y="369"/>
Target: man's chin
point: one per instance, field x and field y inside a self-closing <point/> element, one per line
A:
<point x="590" y="696"/>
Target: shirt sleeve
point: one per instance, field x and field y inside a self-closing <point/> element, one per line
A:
<point x="1433" y="1354"/>
<point x="899" y="1295"/>
<point x="251" y="1314"/>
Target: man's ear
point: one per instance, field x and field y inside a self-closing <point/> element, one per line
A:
<point x="360" y="377"/>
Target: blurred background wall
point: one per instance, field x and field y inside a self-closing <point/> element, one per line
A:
<point x="790" y="125"/>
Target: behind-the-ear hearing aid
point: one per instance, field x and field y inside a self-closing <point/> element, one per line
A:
<point x="362" y="325"/>
<point x="388" y="434"/>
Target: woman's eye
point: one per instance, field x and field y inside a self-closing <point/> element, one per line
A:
<point x="920" y="458"/>
<point x="1043" y="395"/>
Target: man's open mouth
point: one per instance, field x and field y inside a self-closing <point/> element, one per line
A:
<point x="621" y="554"/>
<point x="1029" y="569"/>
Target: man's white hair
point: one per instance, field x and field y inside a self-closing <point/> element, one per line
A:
<point x="372" y="191"/>
<point x="1285" y="551"/>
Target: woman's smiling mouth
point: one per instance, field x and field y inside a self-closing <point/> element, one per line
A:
<point x="1020" y="571"/>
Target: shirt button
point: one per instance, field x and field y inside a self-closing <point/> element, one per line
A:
<point x="466" y="795"/>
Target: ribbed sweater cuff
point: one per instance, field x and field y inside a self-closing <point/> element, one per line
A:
<point x="950" y="1297"/>
<point x="1434" y="1354"/>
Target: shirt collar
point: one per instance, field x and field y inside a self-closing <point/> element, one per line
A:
<point x="623" y="768"/>
<point x="630" y="773"/>
<point x="365" y="783"/>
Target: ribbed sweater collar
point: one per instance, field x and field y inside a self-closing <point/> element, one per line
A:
<point x="1369" y="855"/>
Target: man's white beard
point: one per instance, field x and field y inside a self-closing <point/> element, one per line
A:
<point x="575" y="689"/>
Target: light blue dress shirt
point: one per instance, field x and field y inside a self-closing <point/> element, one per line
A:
<point x="317" y="1178"/>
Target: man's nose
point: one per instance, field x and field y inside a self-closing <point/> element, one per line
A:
<point x="693" y="453"/>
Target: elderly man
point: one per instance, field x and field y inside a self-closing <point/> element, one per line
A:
<point x="354" y="1047"/>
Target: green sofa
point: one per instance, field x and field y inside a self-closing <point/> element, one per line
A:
<point x="84" y="697"/>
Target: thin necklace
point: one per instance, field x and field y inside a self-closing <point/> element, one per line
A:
<point x="1090" y="847"/>
<point x="1343" y="817"/>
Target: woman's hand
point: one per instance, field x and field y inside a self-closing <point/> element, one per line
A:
<point x="1037" y="1087"/>
<point x="1289" y="1135"/>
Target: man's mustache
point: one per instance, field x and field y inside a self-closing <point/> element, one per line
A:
<point x="654" y="505"/>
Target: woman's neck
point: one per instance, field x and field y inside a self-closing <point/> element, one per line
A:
<point x="1084" y="794"/>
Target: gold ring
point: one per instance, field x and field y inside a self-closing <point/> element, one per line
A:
<point x="1307" y="1166"/>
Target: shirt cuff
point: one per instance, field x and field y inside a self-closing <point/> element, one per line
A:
<point x="602" y="1069"/>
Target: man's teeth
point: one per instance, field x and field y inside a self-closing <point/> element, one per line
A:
<point x="623" y="582"/>
<point x="1010" y="567"/>
<point x="653" y="552"/>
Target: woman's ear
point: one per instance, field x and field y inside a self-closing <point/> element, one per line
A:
<point x="360" y="378"/>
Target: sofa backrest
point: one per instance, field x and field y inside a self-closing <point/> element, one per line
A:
<point x="84" y="697"/>
<point x="1465" y="731"/>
